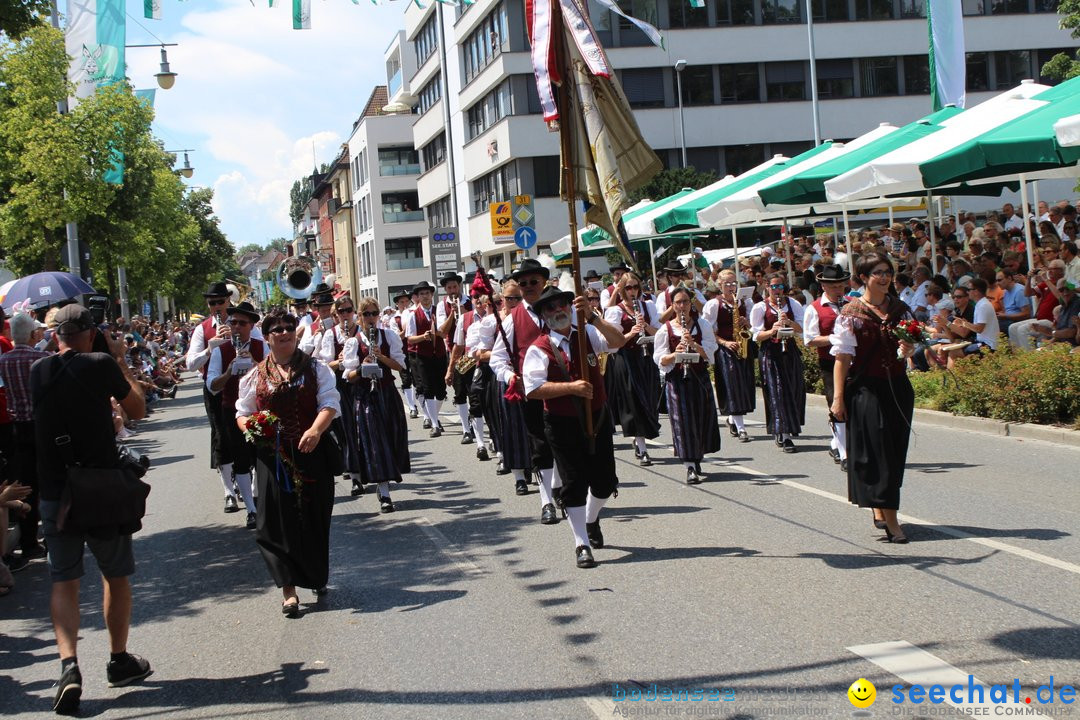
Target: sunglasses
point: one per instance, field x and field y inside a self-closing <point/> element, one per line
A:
<point x="959" y="296"/>
<point x="531" y="283"/>
<point x="776" y="287"/>
<point x="515" y="298"/>
<point x="370" y="313"/>
<point x="281" y="329"/>
<point x="633" y="287"/>
<point x="346" y="310"/>
<point x="217" y="301"/>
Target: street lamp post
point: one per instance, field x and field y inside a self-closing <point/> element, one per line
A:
<point x="166" y="78"/>
<point x="814" y="104"/>
<point x="680" y="65"/>
<point x="186" y="170"/>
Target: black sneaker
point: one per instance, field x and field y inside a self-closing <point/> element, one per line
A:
<point x="414" y="413"/>
<point x="251" y="521"/>
<point x="645" y="460"/>
<point x="583" y="557"/>
<point x="502" y="469"/>
<point x="130" y="669"/>
<point x="467" y="438"/>
<point x="68" y="692"/>
<point x="357" y="488"/>
<point x="521" y="487"/>
<point x="16" y="563"/>
<point x="743" y="437"/>
<point x="385" y="505"/>
<point x="482" y="454"/>
<point x="230" y="504"/>
<point x="436" y="431"/>
<point x="427" y="424"/>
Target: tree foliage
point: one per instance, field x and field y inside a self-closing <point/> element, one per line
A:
<point x="17" y="17"/>
<point x="668" y="182"/>
<point x="1065" y="66"/>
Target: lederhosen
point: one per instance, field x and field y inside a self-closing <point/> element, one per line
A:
<point x="406" y="372"/>
<point x="461" y="383"/>
<point x="782" y="380"/>
<point x="583" y="466"/>
<point x="430" y="368"/>
<point x="735" y="391"/>
<point x="211" y="402"/>
<point x="378" y="421"/>
<point x="632" y="382"/>
<point x="234" y="447"/>
<point x="695" y="430"/>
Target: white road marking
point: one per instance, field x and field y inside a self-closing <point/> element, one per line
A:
<point x="602" y="709"/>
<point x="915" y="666"/>
<point x="448" y="548"/>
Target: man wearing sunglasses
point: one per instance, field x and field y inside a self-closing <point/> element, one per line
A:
<point x="304" y="315"/>
<point x="227" y="363"/>
<point x="448" y="317"/>
<point x="397" y="324"/>
<point x="211" y="333"/>
<point x="677" y="275"/>
<point x="423" y="338"/>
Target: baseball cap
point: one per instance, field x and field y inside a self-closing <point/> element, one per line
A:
<point x="72" y="319"/>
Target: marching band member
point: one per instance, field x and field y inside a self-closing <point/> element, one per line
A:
<point x="553" y="375"/>
<point x="773" y="323"/>
<point x="735" y="390"/>
<point x="514" y="444"/>
<point x="227" y="363"/>
<point x="330" y="349"/>
<point x="466" y="345"/>
<point x="519" y="330"/>
<point x="296" y="499"/>
<point x="378" y="415"/>
<point x="448" y="318"/>
<point x="423" y="338"/>
<point x="819" y="318"/>
<point x="632" y="380"/>
<point x="691" y="408"/>
<point x="303" y="314"/>
<point x="677" y="276"/>
<point x="397" y="324"/>
<point x="323" y="300"/>
<point x="617" y="272"/>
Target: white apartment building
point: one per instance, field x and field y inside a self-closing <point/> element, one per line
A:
<point x="745" y="88"/>
<point x="387" y="216"/>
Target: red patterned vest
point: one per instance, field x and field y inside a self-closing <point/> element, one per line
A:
<point x="448" y="308"/>
<point x="296" y="404"/>
<point x="423" y="324"/>
<point x="564" y="406"/>
<point x="525" y="333"/>
<point x="826" y="320"/>
<point x="231" y="391"/>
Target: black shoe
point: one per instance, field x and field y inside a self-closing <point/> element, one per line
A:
<point x="467" y="438"/>
<point x="548" y="515"/>
<point x="502" y="469"/>
<point x="584" y="557"/>
<point x="385" y="506"/>
<point x="789" y="447"/>
<point x="414" y="413"/>
<point x="35" y="551"/>
<point x="521" y="487"/>
<point x="596" y="538"/>
<point x="880" y="524"/>
<point x="129" y="670"/>
<point x="427" y="424"/>
<point x="357" y="488"/>
<point x="16" y="563"/>
<point x="843" y="465"/>
<point x="251" y="521"/>
<point x="732" y="430"/>
<point x="645" y="460"/>
<point x="436" y="431"/>
<point x="68" y="692"/>
<point x="692" y="477"/>
<point x="291" y="609"/>
<point x="898" y="539"/>
<point x="637" y="453"/>
<point x="778" y="441"/>
<point x="835" y="455"/>
<point x="482" y="454"/>
<point x="230" y="504"/>
<point x="319" y="592"/>
<point x="743" y="437"/>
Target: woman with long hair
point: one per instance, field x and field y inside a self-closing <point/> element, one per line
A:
<point x="873" y="394"/>
<point x="382" y="440"/>
<point x="513" y="433"/>
<point x="774" y="323"/>
<point x="330" y="351"/>
<point x="295" y="473"/>
<point x="735" y="389"/>
<point x="691" y="407"/>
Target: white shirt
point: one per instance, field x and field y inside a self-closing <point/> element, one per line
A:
<point x="410" y="320"/>
<point x="1014" y="223"/>
<point x="811" y="324"/>
<point x="1072" y="271"/>
<point x="500" y="353"/>
<point x="216" y="368"/>
<point x="907" y="295"/>
<point x="662" y="300"/>
<point x="351" y="354"/>
<point x="481" y="334"/>
<point x="324" y="350"/>
<point x="984" y="313"/>
<point x="757" y="316"/>
<point x="614" y="314"/>
<point x="198" y="353"/>
<point x="311" y="339"/>
<point x="661" y="347"/>
<point x="534" y="371"/>
<point x="328" y="396"/>
<point x="919" y="298"/>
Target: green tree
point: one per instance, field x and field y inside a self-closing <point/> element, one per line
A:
<point x="17" y="17"/>
<point x="668" y="182"/>
<point x="210" y="257"/>
<point x="300" y="194"/>
<point x="250" y="247"/>
<point x="1064" y="66"/>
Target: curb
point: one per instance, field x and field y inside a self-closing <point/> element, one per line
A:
<point x="987" y="426"/>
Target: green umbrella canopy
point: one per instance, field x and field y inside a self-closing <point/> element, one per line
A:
<point x="808" y="188"/>
<point x="595" y="234"/>
<point x="684" y="215"/>
<point x="1024" y="145"/>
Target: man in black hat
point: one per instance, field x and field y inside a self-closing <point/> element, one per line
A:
<point x="552" y="373"/>
<point x="422" y="338"/>
<point x="304" y="316"/>
<point x="323" y="300"/>
<point x="819" y="317"/>
<point x="617" y="271"/>
<point x="448" y="316"/>
<point x="211" y="333"/>
<point x="227" y="363"/>
<point x="397" y="320"/>
<point x="677" y="275"/>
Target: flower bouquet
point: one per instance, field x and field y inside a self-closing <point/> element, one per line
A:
<point x="261" y="428"/>
<point x="910" y="331"/>
<point x="261" y="425"/>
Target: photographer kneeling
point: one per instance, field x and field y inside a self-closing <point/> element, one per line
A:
<point x="73" y="422"/>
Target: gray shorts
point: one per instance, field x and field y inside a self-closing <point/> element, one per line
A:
<point x="114" y="555"/>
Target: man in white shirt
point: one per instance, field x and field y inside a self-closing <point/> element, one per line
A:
<point x="985" y="323"/>
<point x="918" y="300"/>
<point x="1012" y="220"/>
<point x="311" y="338"/>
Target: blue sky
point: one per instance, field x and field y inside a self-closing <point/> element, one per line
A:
<point x="253" y="96"/>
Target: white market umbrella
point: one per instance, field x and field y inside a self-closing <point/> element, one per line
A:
<point x="1068" y="131"/>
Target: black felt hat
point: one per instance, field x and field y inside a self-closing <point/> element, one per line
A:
<point x="551" y="294"/>
<point x="217" y="290"/>
<point x="245" y="308"/>
<point x="833" y="273"/>
<point x="530" y="266"/>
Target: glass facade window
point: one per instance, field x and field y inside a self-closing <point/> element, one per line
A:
<point x="546" y="176"/>
<point x="427" y="40"/>
<point x="739" y="83"/>
<point x="429" y="94"/>
<point x="916" y="75"/>
<point x="498" y="185"/>
<point x="644" y="10"/>
<point x="644" y="87"/>
<point x="402" y="206"/>
<point x="776" y="12"/>
<point x="879" y="76"/>
<point x="874" y="9"/>
<point x="832" y="10"/>
<point x="438" y="213"/>
<point x="734" y="12"/>
<point x="835" y="79"/>
<point x="488" y="110"/>
<point x="434" y="152"/>
<point x="740" y="158"/>
<point x="399" y="161"/>
<point x="704" y="159"/>
<point x="681" y="14"/>
<point x="601" y="20"/>
<point x="697" y="85"/>
<point x="978" y="71"/>
<point x="785" y="81"/>
<point x="1009" y="7"/>
<point x="485" y="43"/>
<point x="404" y="253"/>
<point x="912" y="9"/>
<point x="1011" y="66"/>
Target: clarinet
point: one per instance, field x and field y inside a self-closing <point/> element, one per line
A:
<point x="780" y="317"/>
<point x="640" y="313"/>
<point x="683" y="321"/>
<point x="372" y="337"/>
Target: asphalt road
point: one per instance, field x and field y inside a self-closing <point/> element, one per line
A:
<point x="762" y="585"/>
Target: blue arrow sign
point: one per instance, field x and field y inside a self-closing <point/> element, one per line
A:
<point x="525" y="237"/>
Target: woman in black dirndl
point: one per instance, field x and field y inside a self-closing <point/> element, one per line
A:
<point x="774" y="322"/>
<point x="736" y="392"/>
<point x="330" y="352"/>
<point x="378" y="415"/>
<point x="691" y="407"/>
<point x="632" y="379"/>
<point x="872" y="391"/>
<point x="295" y="471"/>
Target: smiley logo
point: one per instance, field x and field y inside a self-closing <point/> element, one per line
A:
<point x="862" y="693"/>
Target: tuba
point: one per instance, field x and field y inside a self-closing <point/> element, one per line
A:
<point x="298" y="276"/>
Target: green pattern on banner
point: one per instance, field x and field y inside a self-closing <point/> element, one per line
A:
<point x="301" y="14"/>
<point x="152" y="9"/>
<point x="147" y="96"/>
<point x="112" y="33"/>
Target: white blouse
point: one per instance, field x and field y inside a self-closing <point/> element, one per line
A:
<point x="661" y="347"/>
<point x="328" y="396"/>
<point x="352" y="360"/>
<point x="757" y="316"/>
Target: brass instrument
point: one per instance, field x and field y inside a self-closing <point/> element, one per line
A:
<point x="742" y="335"/>
<point x="298" y="276"/>
<point x="783" y="332"/>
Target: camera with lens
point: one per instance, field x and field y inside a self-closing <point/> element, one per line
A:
<point x="133" y="461"/>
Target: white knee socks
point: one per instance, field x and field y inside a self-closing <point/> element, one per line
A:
<point x="433" y="407"/>
<point x="639" y="443"/>
<point x="576" y="516"/>
<point x="225" y="470"/>
<point x="410" y="397"/>
<point x="243" y="481"/>
<point x="478" y="430"/>
<point x="384" y="489"/>
<point x="556" y="479"/>
<point x="463" y="415"/>
<point x="739" y="422"/>
<point x="519" y="475"/>
<point x="593" y="506"/>
<point x="546" y="497"/>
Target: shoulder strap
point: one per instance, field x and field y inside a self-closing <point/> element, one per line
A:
<point x="559" y="359"/>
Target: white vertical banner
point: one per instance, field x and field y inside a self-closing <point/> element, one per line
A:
<point x="80" y="39"/>
<point x="301" y="14"/>
<point x="152" y="9"/>
<point x="948" y="67"/>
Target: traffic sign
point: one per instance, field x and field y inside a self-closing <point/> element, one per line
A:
<point x="525" y="237"/>
<point x="523" y="212"/>
<point x="501" y="220"/>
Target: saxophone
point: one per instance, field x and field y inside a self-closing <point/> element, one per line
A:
<point x="742" y="335"/>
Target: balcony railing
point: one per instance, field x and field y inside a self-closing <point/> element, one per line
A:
<point x="396" y="216"/>
<point x="394" y="84"/>
<point x="399" y="169"/>
<point x="395" y="262"/>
